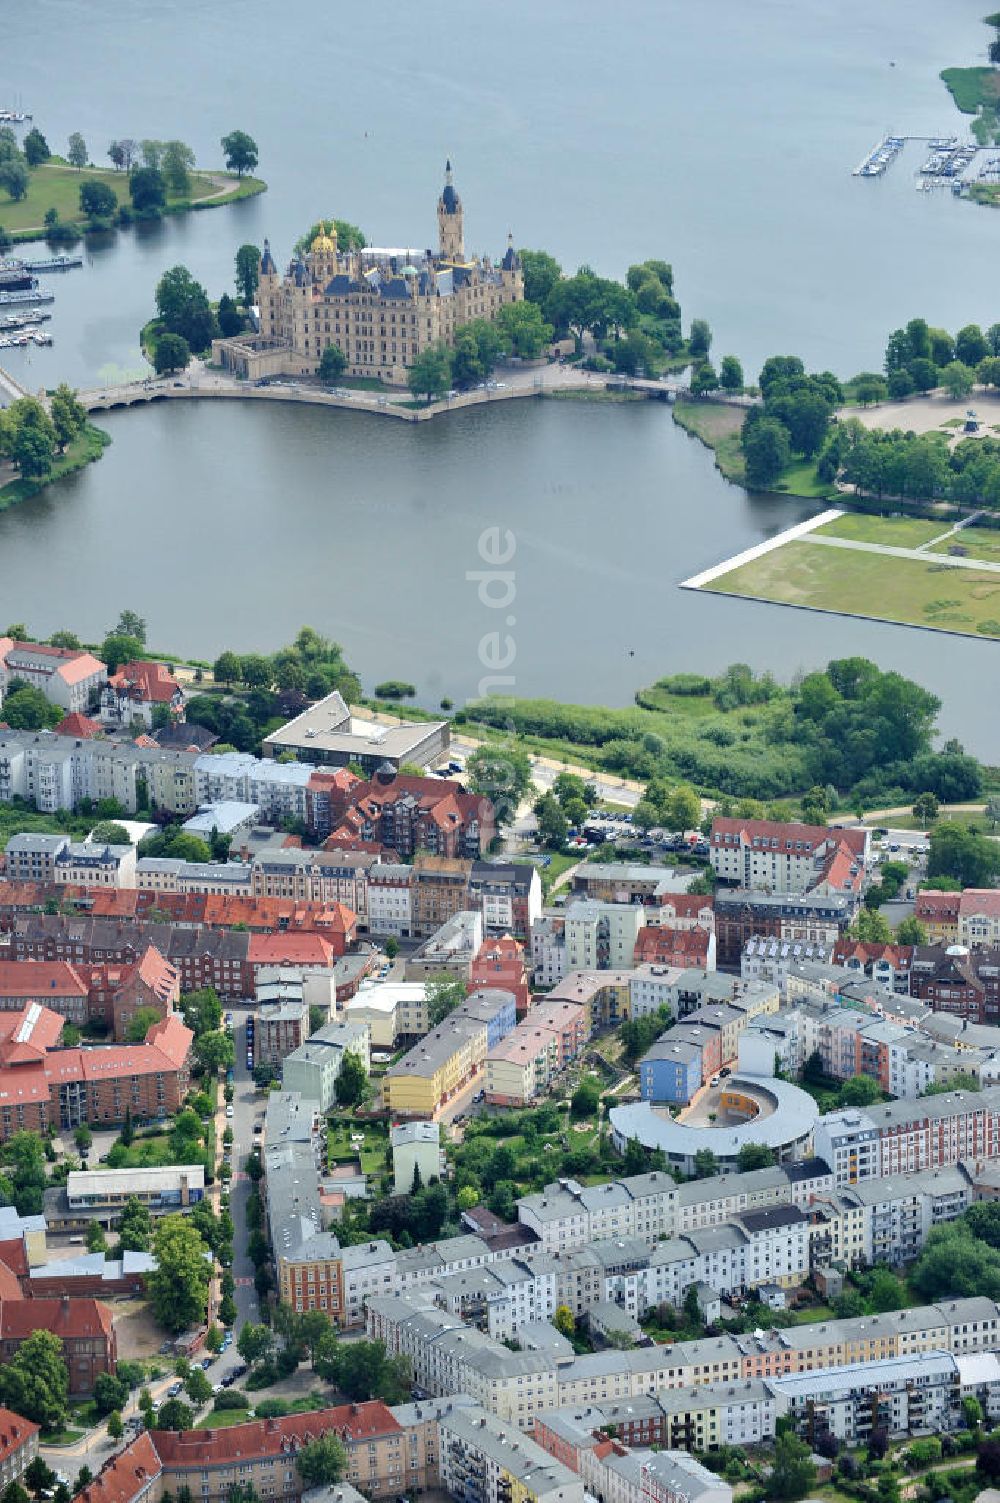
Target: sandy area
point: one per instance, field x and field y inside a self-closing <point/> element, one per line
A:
<point x="137" y="1332"/>
<point x="923" y="414"/>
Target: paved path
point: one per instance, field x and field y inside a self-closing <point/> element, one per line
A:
<point x="891" y="551"/>
<point x="10" y="390"/>
<point x="697" y="581"/>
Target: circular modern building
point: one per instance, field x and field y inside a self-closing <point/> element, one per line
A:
<point x="746" y="1109"/>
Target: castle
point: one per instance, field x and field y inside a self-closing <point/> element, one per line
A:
<point x="381" y="307"/>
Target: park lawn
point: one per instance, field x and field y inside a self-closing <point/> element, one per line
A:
<point x="895" y="532"/>
<point x="978" y="542"/>
<point x="373" y="1149"/>
<point x="559" y="862"/>
<point x="872" y="585"/>
<point x="717" y="425"/>
<point x="813" y="1314"/>
<point x="54" y="185"/>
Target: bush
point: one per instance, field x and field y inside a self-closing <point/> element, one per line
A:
<point x="231" y="1399"/>
<point x="394" y="688"/>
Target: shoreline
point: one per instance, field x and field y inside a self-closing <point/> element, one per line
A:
<point x="247" y="187"/>
<point x="758" y="550"/>
<point x="92" y="443"/>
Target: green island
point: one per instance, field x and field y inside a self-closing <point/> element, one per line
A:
<point x="59" y="198"/>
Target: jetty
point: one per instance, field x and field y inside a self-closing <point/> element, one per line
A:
<point x="30" y="295"/>
<point x="54" y="263"/>
<point x="881" y="156"/>
<point x="26" y="320"/>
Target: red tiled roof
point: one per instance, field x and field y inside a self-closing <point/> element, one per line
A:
<point x="37" y="979"/>
<point x="13" y="1267"/>
<point x="786" y="834"/>
<point x="147" y="682"/>
<point x="258" y="1438"/>
<point x="937" y="905"/>
<point x="290" y="949"/>
<point x="83" y="666"/>
<point x="80" y="726"/>
<point x="15" y="1432"/>
<point x="899" y="956"/>
<point x="69" y="1319"/>
<point x="671" y="946"/>
<point x="979" y="900"/>
<point x="25" y="1039"/>
<point x="122" y="1478"/>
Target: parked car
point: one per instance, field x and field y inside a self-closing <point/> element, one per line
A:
<point x="174" y="1390"/>
<point x="229" y="1110"/>
<point x="206" y="1363"/>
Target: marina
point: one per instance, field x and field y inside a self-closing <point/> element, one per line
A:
<point x="25" y="338"/>
<point x="13" y="117"/>
<point x="53" y="263"/>
<point x="880" y="157"/>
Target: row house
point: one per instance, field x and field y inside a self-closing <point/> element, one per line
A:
<point x="741" y="914"/>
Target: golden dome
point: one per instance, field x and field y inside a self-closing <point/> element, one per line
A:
<point x="323" y="244"/>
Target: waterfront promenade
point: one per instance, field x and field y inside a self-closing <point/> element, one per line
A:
<point x="199" y="382"/>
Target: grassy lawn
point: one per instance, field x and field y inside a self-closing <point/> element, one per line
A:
<point x="61" y="1437"/>
<point x="558" y="863"/>
<point x="971" y="87"/>
<point x="802" y="480"/>
<point x="978" y="542"/>
<point x="872" y="585"/>
<point x="221" y="1419"/>
<point x="896" y="532"/>
<point x="54" y="185"/>
<point x="90" y="445"/>
<point x="372" y="1150"/>
<point x="718" y="426"/>
<point x="813" y="1315"/>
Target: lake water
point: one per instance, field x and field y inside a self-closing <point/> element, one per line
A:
<point x="718" y="136"/>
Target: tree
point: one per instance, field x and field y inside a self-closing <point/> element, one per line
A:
<point x="925" y="808"/>
<point x="525" y="328"/>
<point x="25" y="1156"/>
<point x="323" y="1461"/>
<point x="872" y="927"/>
<point x="14" y="177"/>
<point x="900" y="385"/>
<point x="38" y="1475"/>
<point x="83" y="1137"/>
<point x="115" y="1427"/>
<point x="213" y="1051"/>
<point x="131" y="624"/>
<point x="958" y="379"/>
<point x="911" y="932"/>
<point x="135" y="1226"/>
<point x="28" y="438"/>
<point x="754" y="1156"/>
<point x="970" y="344"/>
<point x="109" y="1393"/>
<point x="197" y="1386"/>
<point x="682" y="809"/>
<point x="96" y="1240"/>
<point x="229" y="316"/>
<point x="35" y="148"/>
<point x="254" y="1343"/>
<point x="76" y="153"/>
<point x="563" y="1320"/>
<point x="332" y="365"/>
<point x="705" y="1164"/>
<point x="585" y="1099"/>
<point x="177" y="165"/>
<point x="972" y="1412"/>
<point x="553" y="826"/>
<point x="793" y="1471"/>
<point x="178" y="1286"/>
<point x="69" y="418"/>
<point x="699" y="339"/>
<point x="35" y="1381"/>
<point x="27" y="709"/>
<point x="730" y="374"/>
<point x="183" y="307"/>
<point x="241" y="152"/>
<point x="117" y="649"/>
<point x="227" y="668"/>
<point x="767" y="451"/>
<point x="956" y="851"/>
<point x="541" y="272"/>
<point x="954" y="1263"/>
<point x="171" y="352"/>
<point x="870" y="388"/>
<point x="174" y="1414"/>
<point x="444" y="994"/>
<point x="147" y="190"/>
<point x="430" y="373"/>
<point x="140" y="1023"/>
<point x="502" y="774"/>
<point x="923" y="373"/>
<point x="352" y="1081"/>
<point x="703" y="379"/>
<point x="247" y="273"/>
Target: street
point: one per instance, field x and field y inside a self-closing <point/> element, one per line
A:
<point x="246" y="1105"/>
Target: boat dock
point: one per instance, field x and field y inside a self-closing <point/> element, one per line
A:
<point x="9" y="322"/>
<point x="22" y="299"/>
<point x="880" y="157"/>
<point x="24" y="338"/>
<point x="54" y="263"/>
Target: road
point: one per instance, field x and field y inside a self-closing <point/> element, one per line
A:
<point x="246" y="1106"/>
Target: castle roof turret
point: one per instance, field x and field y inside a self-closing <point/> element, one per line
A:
<point x="450" y="201"/>
<point x="267" y="266"/>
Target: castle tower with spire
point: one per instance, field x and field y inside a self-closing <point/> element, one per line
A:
<point x="451" y="239"/>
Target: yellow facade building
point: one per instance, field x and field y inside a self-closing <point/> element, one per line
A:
<point x="381" y="307"/>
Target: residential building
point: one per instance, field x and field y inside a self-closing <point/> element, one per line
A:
<point x="483" y="1461"/>
<point x="136" y="691"/>
<point x="788" y="857"/>
<point x="510" y="895"/>
<point x="741" y="913"/>
<point x="67" y="676"/>
<point x="313" y="1068"/>
<point x="500" y="963"/>
<point x="90" y="863"/>
<point x="416" y="1150"/>
<point x="440" y="890"/>
<point x="601" y="936"/>
<point x="281" y="1027"/>
<point x="938" y="912"/>
<point x="18" y="1445"/>
<point x="691" y="947"/>
<point x="450" y="950"/>
<point x="390" y="899"/>
<point x="84" y="1326"/>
